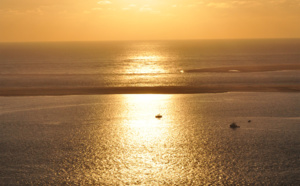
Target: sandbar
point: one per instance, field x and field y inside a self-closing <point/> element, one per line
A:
<point x="257" y="68"/>
<point x="57" y="91"/>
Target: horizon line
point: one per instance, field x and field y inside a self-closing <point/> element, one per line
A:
<point x="136" y="40"/>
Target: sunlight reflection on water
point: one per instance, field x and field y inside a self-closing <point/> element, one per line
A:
<point x="145" y="64"/>
<point x="189" y="145"/>
<point x="116" y="139"/>
<point x="146" y="136"/>
<point x="141" y="149"/>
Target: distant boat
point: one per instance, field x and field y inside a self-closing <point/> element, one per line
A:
<point x="234" y="125"/>
<point x="158" y="116"/>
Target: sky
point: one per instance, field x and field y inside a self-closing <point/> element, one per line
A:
<point x="96" y="20"/>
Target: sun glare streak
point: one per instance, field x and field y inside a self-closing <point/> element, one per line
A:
<point x="145" y="134"/>
<point x="147" y="58"/>
<point x="142" y="108"/>
<point x="145" y="64"/>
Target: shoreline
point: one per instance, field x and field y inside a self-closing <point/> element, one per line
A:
<point x="54" y="91"/>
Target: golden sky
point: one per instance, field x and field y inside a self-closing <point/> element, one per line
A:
<point x="93" y="20"/>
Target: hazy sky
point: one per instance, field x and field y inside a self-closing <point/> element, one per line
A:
<point x="69" y="20"/>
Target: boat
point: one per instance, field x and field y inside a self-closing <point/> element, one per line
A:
<point x="234" y="125"/>
<point x="158" y="116"/>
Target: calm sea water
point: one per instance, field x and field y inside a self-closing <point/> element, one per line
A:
<point x="145" y="64"/>
<point x="115" y="139"/>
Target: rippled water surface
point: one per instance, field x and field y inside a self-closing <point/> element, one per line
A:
<point x="81" y="65"/>
<point x="116" y="139"/>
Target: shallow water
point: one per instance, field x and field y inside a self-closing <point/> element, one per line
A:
<point x="116" y="139"/>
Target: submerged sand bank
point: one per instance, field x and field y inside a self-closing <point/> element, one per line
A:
<point x="260" y="68"/>
<point x="36" y="91"/>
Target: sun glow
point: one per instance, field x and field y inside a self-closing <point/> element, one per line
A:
<point x="145" y="65"/>
<point x="147" y="20"/>
<point x="143" y="130"/>
<point x="143" y="108"/>
<point x="146" y="58"/>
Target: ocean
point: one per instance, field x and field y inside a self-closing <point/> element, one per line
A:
<point x="149" y="66"/>
<point x="83" y="113"/>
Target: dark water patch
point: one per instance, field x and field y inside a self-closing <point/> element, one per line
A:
<point x="38" y="91"/>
